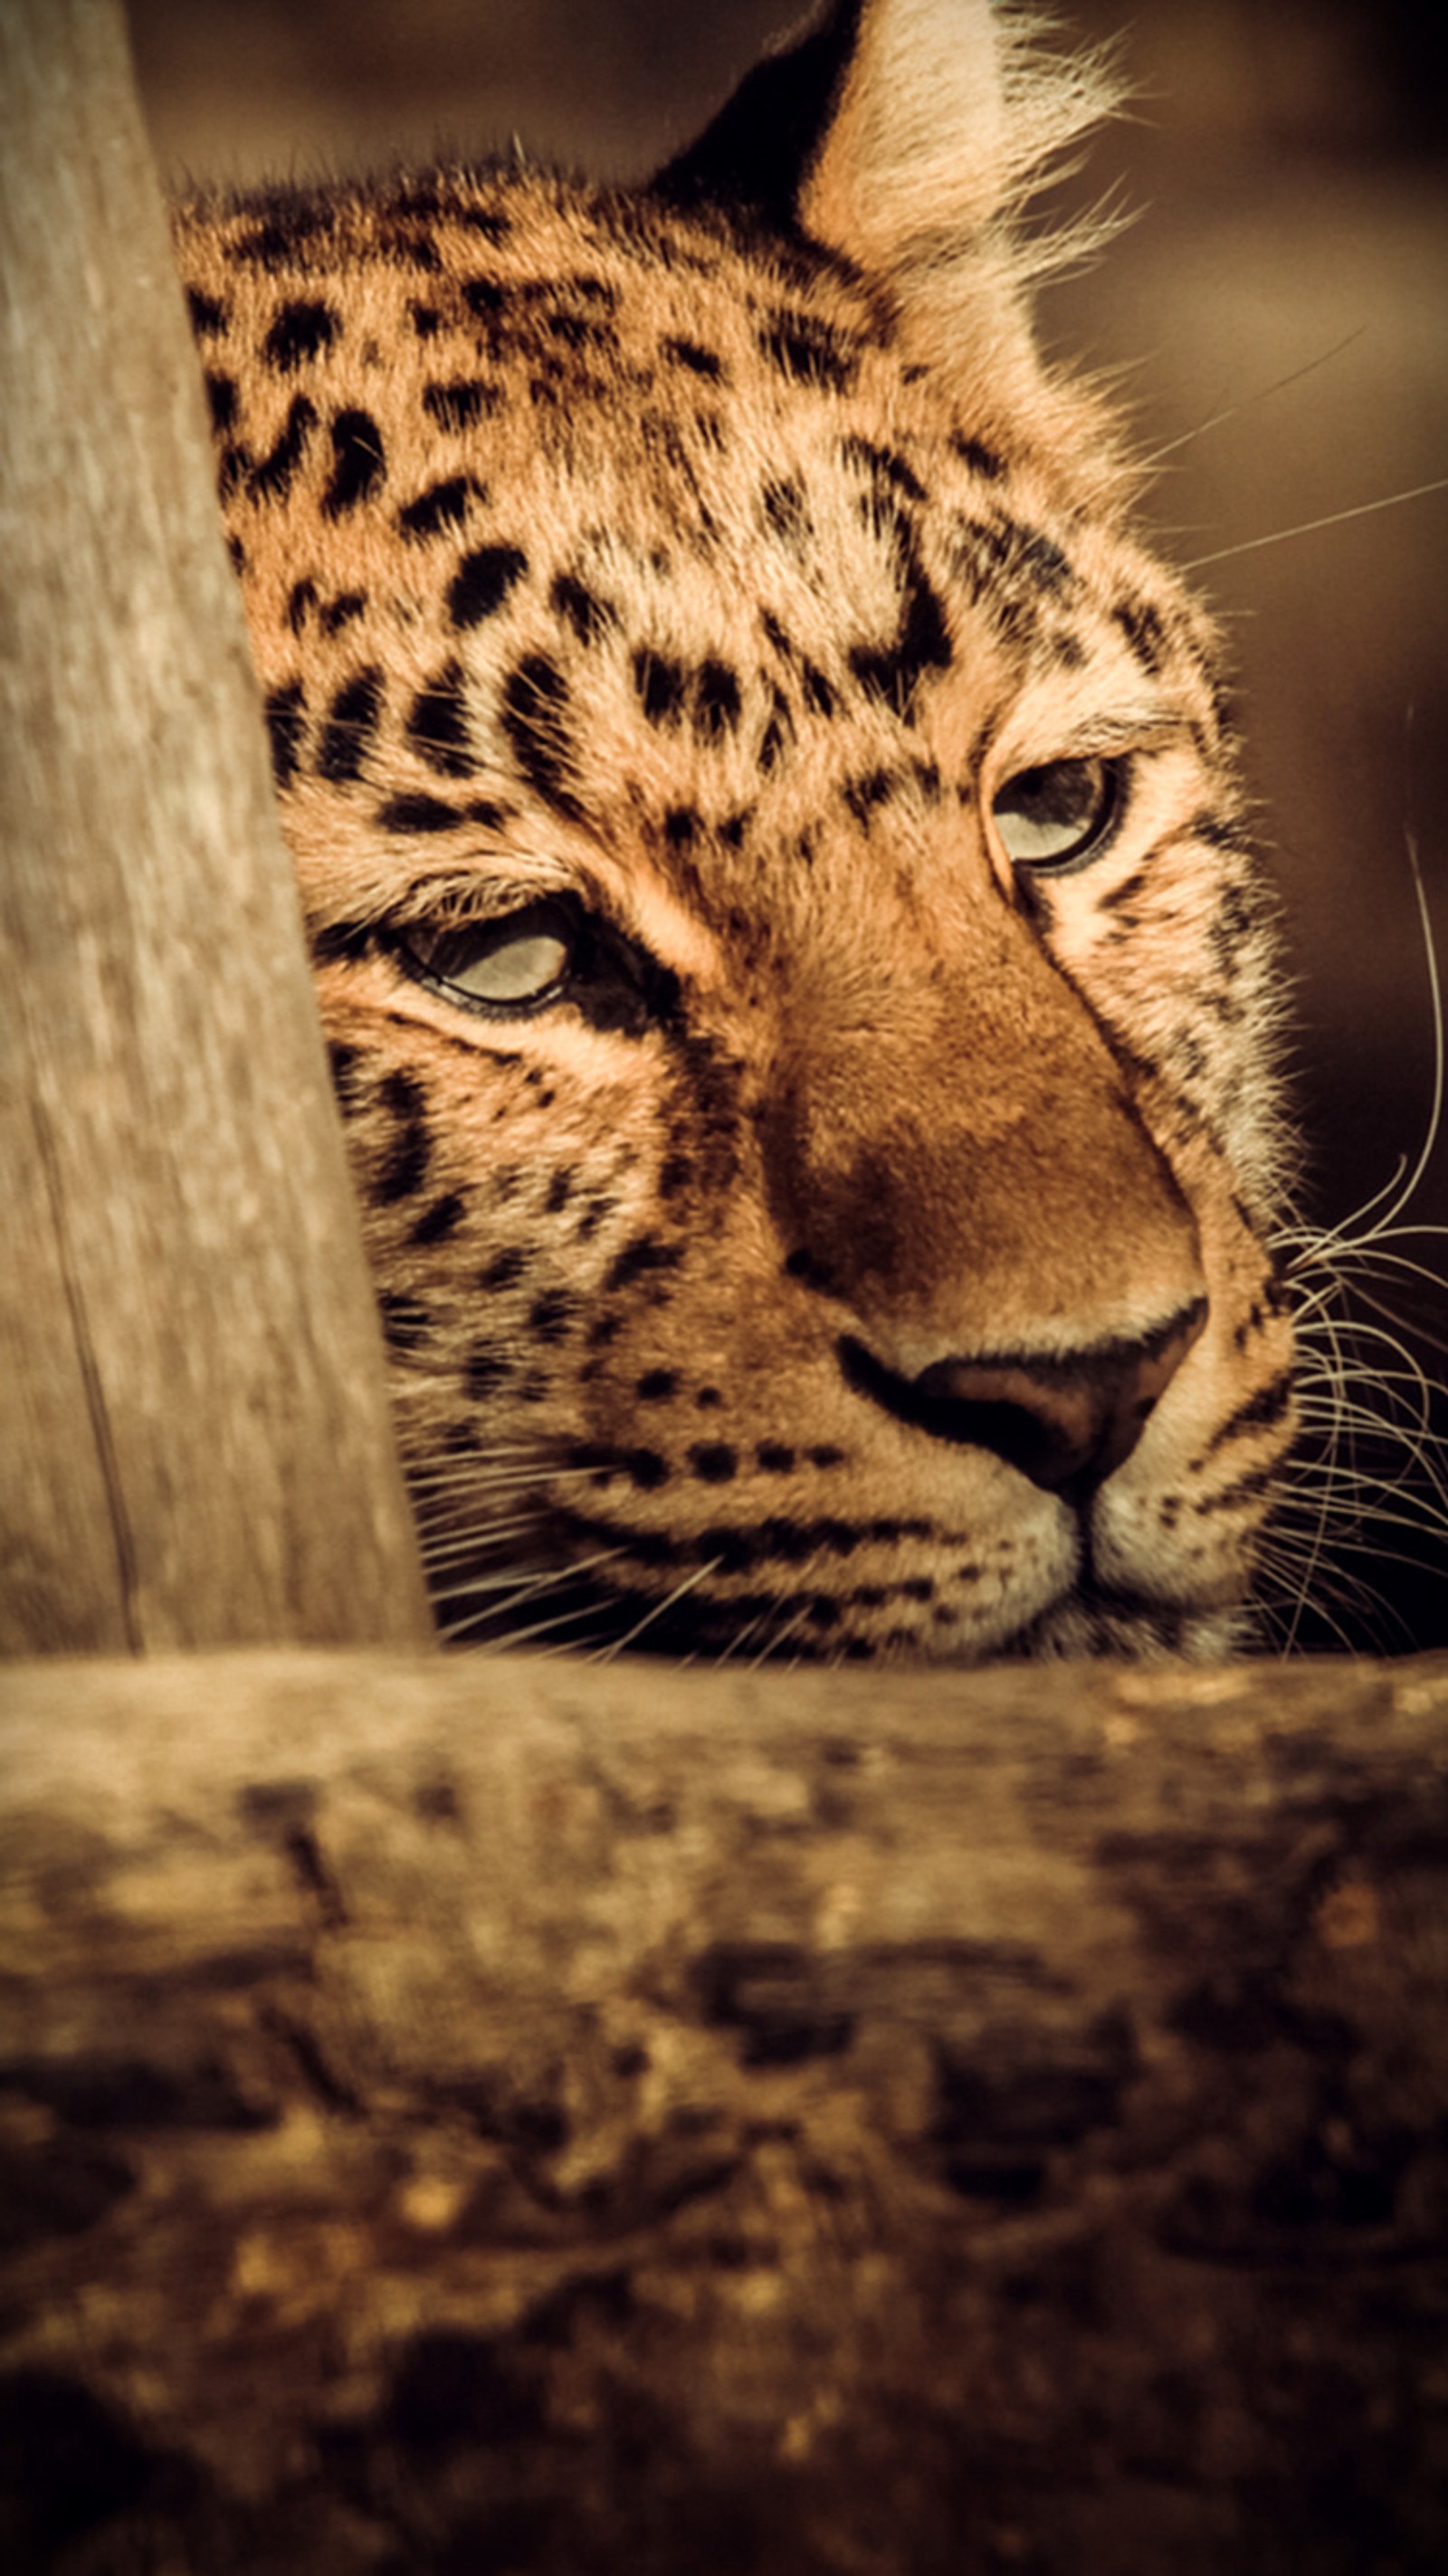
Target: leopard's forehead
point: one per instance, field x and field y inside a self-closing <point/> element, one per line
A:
<point x="515" y="468"/>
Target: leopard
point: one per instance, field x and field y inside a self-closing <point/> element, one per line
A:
<point x="801" y="986"/>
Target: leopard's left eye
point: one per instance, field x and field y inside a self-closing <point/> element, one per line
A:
<point x="1055" y="818"/>
<point x="550" y="954"/>
<point x="516" y="963"/>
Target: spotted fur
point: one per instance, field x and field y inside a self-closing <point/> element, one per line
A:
<point x="860" y="1251"/>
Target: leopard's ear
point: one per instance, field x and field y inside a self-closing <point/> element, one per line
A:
<point x="909" y="135"/>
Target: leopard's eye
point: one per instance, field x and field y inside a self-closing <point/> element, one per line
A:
<point x="517" y="963"/>
<point x="1057" y="817"/>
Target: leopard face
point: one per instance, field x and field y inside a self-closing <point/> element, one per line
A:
<point x="798" y="981"/>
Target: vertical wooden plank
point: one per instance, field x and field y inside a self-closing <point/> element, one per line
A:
<point x="194" y="1437"/>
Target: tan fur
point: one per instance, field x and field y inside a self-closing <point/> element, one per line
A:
<point x="597" y="547"/>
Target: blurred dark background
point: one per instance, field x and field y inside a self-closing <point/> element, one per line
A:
<point x="1288" y="267"/>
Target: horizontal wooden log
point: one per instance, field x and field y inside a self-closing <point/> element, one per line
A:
<point x="511" y="2116"/>
<point x="195" y="1445"/>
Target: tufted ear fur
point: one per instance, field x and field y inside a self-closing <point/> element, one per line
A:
<point x="909" y="135"/>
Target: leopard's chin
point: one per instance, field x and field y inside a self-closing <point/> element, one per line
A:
<point x="1091" y="1625"/>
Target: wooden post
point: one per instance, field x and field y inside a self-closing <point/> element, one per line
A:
<point x="194" y="1438"/>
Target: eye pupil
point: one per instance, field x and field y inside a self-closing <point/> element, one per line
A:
<point x="1059" y="814"/>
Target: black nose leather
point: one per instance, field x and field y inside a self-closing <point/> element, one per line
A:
<point x="1068" y="1422"/>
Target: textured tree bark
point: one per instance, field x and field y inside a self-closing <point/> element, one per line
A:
<point x="194" y="1439"/>
<point x="505" y="2116"/>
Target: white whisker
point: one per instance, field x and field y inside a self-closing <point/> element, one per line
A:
<point x="554" y="1578"/>
<point x="781" y="1637"/>
<point x="1310" y="527"/>
<point x="751" y="1628"/>
<point x="607" y="1654"/>
<point x="1264" y="393"/>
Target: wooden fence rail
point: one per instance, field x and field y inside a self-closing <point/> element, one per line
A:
<point x="488" y="2115"/>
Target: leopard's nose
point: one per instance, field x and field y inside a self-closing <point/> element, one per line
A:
<point x="1067" y="1421"/>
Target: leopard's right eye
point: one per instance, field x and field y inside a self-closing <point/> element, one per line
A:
<point x="1054" y="819"/>
<point x="518" y="963"/>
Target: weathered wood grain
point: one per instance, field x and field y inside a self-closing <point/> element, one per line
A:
<point x="497" y="2115"/>
<point x="194" y="1442"/>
